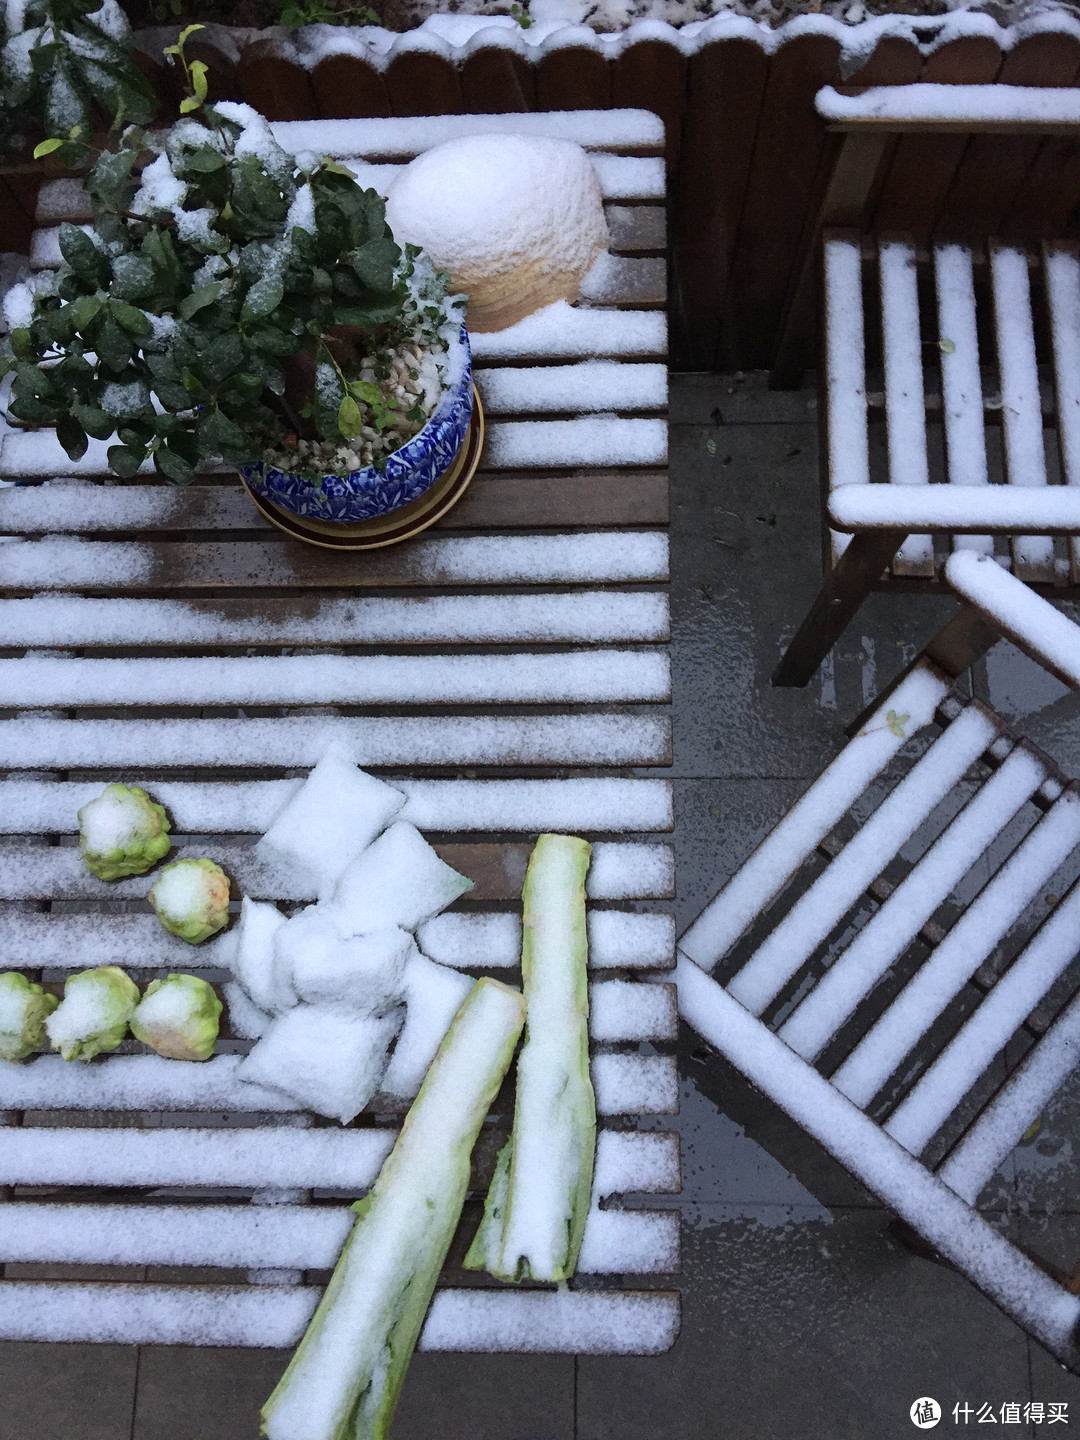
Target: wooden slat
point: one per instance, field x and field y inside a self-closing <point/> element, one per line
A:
<point x="652" y="73"/>
<point x="905" y="412"/>
<point x="197" y="807"/>
<point x="35" y="872"/>
<point x="923" y="166"/>
<point x="591" y="616"/>
<point x="271" y="80"/>
<point x="495" y="79"/>
<point x="961" y="380"/>
<point x="419" y="82"/>
<point x="573" y="77"/>
<point x="503" y="501"/>
<point x="125" y="566"/>
<point x="645" y="1323"/>
<point x="40" y="742"/>
<point x="636" y="227"/>
<point x="788" y="149"/>
<point x="349" y="87"/>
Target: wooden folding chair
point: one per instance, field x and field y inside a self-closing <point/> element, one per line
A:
<point x="969" y="348"/>
<point x="844" y="970"/>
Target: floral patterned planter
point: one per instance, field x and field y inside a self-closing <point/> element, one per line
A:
<point x="364" y="494"/>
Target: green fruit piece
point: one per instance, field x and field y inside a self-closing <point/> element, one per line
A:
<point x="191" y="898"/>
<point x="24" y="1008"/>
<point x="94" y="1013"/>
<point x="122" y="832"/>
<point x="178" y="1017"/>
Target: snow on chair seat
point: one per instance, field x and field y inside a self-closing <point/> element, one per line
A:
<point x="507" y="670"/>
<point x="934" y="951"/>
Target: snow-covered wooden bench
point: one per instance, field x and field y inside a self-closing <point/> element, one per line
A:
<point x="507" y="669"/>
<point x="969" y="357"/>
<point x="916" y="1002"/>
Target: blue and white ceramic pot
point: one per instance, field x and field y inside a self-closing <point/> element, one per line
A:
<point x="363" y="494"/>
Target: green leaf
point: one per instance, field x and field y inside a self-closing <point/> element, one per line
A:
<point x="896" y="723"/>
<point x="124" y="460"/>
<point x="71" y="436"/>
<point x="135" y="433"/>
<point x="85" y="259"/>
<point x="222" y="357"/>
<point x="262" y="299"/>
<point x="113" y="345"/>
<point x="947" y="347"/>
<point x="376" y="312"/>
<point x="21" y="343"/>
<point x="130" y="317"/>
<point x="83" y="310"/>
<point x="94" y="421"/>
<point x="204" y="161"/>
<point x="332" y="167"/>
<point x="197" y="74"/>
<point x="173" y="466"/>
<point x="199" y="299"/>
<point x="192" y="102"/>
<point x="350" y="420"/>
<point x="46" y="148"/>
<point x="133" y="278"/>
<point x="374" y="263"/>
<point x="276" y="342"/>
<point x="218" y="435"/>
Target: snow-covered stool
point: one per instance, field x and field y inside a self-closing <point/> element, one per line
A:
<point x="507" y="670"/>
<point x="968" y="351"/>
<point x="914" y="1004"/>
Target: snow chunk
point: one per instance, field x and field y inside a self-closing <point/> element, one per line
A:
<point x="399" y="880"/>
<point x="433" y="996"/>
<point x="19" y="305"/>
<point x="245" y="1017"/>
<point x="336" y="814"/>
<point x="330" y="1060"/>
<point x="254" y="962"/>
<point x="361" y="973"/>
<point x="517" y="220"/>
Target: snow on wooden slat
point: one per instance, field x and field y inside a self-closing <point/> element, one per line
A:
<point x="961" y="381"/>
<point x="140" y="1082"/>
<point x="35" y="872"/>
<point x="598" y="557"/>
<point x="888" y="932"/>
<point x="560" y="330"/>
<point x="275" y="1317"/>
<point x="618" y="940"/>
<point x="593" y="440"/>
<point x="1062" y="267"/>
<point x="904" y="403"/>
<point x="807" y="823"/>
<point x="592" y="385"/>
<point x="1039" y="627"/>
<point x="250" y="806"/>
<point x="963" y="508"/>
<point x="581" y="677"/>
<point x="963" y="950"/>
<point x="941" y="1087"/>
<point x="42" y="741"/>
<point x="596" y="616"/>
<point x="280" y="1157"/>
<point x="626" y="1010"/>
<point x="1010" y="1113"/>
<point x="932" y="106"/>
<point x="635" y="1084"/>
<point x="1021" y="405"/>
<point x="821" y="908"/>
<point x="403" y="137"/>
<point x="998" y="1268"/>
<point x="845" y="358"/>
<point x="274" y="1236"/>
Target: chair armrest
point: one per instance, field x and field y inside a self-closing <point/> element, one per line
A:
<point x="1002" y="109"/>
<point x="1032" y="623"/>
<point x="959" y="509"/>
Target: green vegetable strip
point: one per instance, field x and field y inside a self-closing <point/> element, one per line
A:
<point x="345" y="1378"/>
<point x="536" y="1207"/>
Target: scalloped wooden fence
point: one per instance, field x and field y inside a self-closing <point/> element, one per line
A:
<point x="747" y="158"/>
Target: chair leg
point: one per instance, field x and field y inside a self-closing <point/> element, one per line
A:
<point x="853" y="577"/>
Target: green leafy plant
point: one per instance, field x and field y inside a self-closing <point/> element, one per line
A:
<point x="521" y="14"/>
<point x="209" y="285"/>
<point x="66" y="65"/>
<point x="317" y="12"/>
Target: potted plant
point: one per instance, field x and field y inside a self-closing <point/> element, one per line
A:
<point x="230" y="300"/>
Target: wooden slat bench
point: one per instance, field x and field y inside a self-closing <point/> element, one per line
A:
<point x="507" y="669"/>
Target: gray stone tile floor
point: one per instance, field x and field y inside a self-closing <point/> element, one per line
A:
<point x="803" y="1318"/>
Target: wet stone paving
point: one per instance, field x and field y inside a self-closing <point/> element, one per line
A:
<point x="803" y="1316"/>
